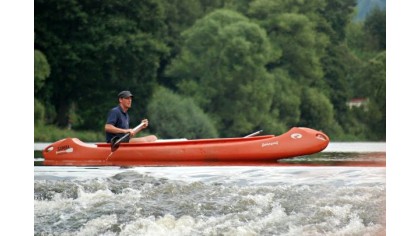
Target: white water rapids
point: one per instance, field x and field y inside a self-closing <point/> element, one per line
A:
<point x="210" y="201"/>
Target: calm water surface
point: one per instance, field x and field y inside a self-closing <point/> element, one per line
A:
<point x="341" y="191"/>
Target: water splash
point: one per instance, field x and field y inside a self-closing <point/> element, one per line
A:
<point x="211" y="201"/>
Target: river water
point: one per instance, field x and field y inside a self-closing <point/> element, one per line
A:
<point x="340" y="191"/>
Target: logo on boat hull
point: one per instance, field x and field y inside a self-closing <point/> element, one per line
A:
<point x="296" y="136"/>
<point x="270" y="144"/>
<point x="64" y="149"/>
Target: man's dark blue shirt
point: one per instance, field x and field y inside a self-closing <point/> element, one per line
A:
<point x="118" y="118"/>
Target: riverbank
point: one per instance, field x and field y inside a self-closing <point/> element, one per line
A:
<point x="50" y="133"/>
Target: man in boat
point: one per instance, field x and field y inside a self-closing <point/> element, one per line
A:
<point x="117" y="123"/>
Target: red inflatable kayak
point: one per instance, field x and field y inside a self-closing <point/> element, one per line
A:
<point x="297" y="141"/>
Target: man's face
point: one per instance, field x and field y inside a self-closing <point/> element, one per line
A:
<point x="126" y="102"/>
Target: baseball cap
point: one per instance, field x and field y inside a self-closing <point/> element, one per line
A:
<point x="125" y="94"/>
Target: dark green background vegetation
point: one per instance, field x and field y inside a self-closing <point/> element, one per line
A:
<point x="210" y="68"/>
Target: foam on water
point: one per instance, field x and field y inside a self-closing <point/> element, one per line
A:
<point x="210" y="201"/>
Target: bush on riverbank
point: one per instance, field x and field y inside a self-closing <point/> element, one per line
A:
<point x="50" y="133"/>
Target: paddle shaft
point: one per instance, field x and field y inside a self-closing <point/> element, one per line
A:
<point x="127" y="134"/>
<point x="253" y="134"/>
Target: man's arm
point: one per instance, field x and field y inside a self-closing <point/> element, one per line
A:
<point x="112" y="129"/>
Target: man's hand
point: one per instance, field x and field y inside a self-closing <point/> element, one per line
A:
<point x="146" y="123"/>
<point x="131" y="131"/>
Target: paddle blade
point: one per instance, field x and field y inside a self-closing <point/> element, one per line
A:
<point x="114" y="143"/>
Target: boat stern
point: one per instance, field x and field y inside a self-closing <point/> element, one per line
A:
<point x="66" y="149"/>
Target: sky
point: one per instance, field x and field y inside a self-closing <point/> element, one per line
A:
<point x="403" y="96"/>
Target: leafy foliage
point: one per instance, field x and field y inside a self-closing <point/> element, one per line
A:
<point x="42" y="69"/>
<point x="178" y="116"/>
<point x="97" y="49"/>
<point x="375" y="89"/>
<point x="221" y="66"/>
<point x="49" y="133"/>
<point x="316" y="110"/>
<point x="229" y="67"/>
<point x="375" y="26"/>
<point x="286" y="99"/>
<point x="297" y="44"/>
<point x="39" y="112"/>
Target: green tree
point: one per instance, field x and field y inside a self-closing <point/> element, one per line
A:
<point x="340" y="67"/>
<point x="292" y="30"/>
<point x="41" y="70"/>
<point x="95" y="49"/>
<point x="337" y="14"/>
<point x="338" y="63"/>
<point x="222" y="67"/>
<point x="316" y="110"/>
<point x="375" y="27"/>
<point x="368" y="41"/>
<point x="286" y="99"/>
<point x="295" y="35"/>
<point x="302" y="35"/>
<point x="373" y="87"/>
<point x="358" y="41"/>
<point x="179" y="15"/>
<point x="178" y="117"/>
<point x="39" y="112"/>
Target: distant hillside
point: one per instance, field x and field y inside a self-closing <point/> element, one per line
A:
<point x="365" y="6"/>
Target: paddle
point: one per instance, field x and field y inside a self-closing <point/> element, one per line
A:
<point x="115" y="142"/>
<point x="253" y="134"/>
